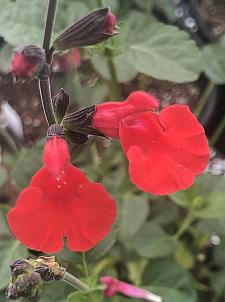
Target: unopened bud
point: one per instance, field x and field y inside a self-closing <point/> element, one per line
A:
<point x="198" y="202"/>
<point x="61" y="102"/>
<point x="27" y="62"/>
<point x="25" y="285"/>
<point x="81" y="121"/>
<point x="92" y="29"/>
<point x="49" y="269"/>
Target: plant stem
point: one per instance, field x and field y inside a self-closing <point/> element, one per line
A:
<point x="46" y="98"/>
<point x="184" y="225"/>
<point x="75" y="282"/>
<point x="114" y="84"/>
<point x="85" y="266"/>
<point x="148" y="12"/>
<point x="217" y="133"/>
<point x="44" y="81"/>
<point x="204" y="97"/>
<point x="50" y="20"/>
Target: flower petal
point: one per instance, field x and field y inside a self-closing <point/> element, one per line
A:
<point x="90" y="217"/>
<point x="35" y="222"/>
<point x="67" y="206"/>
<point x="165" y="152"/>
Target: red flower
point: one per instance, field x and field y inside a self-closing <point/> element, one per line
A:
<point x="165" y="151"/>
<point x="110" y="23"/>
<point x="114" y="286"/>
<point x="108" y="115"/>
<point x="60" y="202"/>
<point x="66" y="62"/>
<point x="28" y="61"/>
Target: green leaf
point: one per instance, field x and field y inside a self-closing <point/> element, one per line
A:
<point x="28" y="163"/>
<point x="94" y="295"/>
<point x="184" y="198"/>
<point x="214" y="206"/>
<point x="152" y="242"/>
<point x="10" y="250"/>
<point x="164" y="212"/>
<point x="218" y="281"/>
<point x="55" y="292"/>
<point x="5" y="57"/>
<point x="124" y="70"/>
<point x="170" y="280"/>
<point x="105" y="245"/>
<point x="30" y="29"/>
<point x="184" y="256"/>
<point x="133" y="213"/>
<point x="166" y="53"/>
<point x="214" y="63"/>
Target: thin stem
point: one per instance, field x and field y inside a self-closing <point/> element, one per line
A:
<point x="75" y="282"/>
<point x="204" y="97"/>
<point x="85" y="266"/>
<point x="46" y="98"/>
<point x="115" y="87"/>
<point x="184" y="225"/>
<point x="217" y="133"/>
<point x="44" y="81"/>
<point x="50" y="20"/>
<point x="148" y="12"/>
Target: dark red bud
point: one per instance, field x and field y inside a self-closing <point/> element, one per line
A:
<point x="110" y="24"/>
<point x="27" y="62"/>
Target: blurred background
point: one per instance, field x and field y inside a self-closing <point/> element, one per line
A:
<point x="173" y="49"/>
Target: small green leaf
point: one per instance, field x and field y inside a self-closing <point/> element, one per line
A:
<point x="55" y="292"/>
<point x="152" y="242"/>
<point x="168" y="279"/>
<point x="124" y="70"/>
<point x="214" y="206"/>
<point x="28" y="163"/>
<point x="184" y="256"/>
<point x="105" y="245"/>
<point x="166" y="53"/>
<point x="214" y="63"/>
<point x="94" y="295"/>
<point x="10" y="250"/>
<point x="184" y="198"/>
<point x="133" y="213"/>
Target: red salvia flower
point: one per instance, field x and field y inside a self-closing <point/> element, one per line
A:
<point x="108" y="115"/>
<point x="114" y="286"/>
<point x="165" y="151"/>
<point x="60" y="202"/>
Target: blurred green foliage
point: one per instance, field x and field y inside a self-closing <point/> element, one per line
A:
<point x="161" y="243"/>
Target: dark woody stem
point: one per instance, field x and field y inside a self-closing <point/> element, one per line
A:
<point x="44" y="81"/>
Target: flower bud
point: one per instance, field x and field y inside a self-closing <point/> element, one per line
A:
<point x="81" y="121"/>
<point x="110" y="24"/>
<point x="108" y="115"/>
<point x="27" y="62"/>
<point x="49" y="269"/>
<point x="61" y="102"/>
<point x="92" y="29"/>
<point x="25" y="285"/>
<point x="56" y="152"/>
